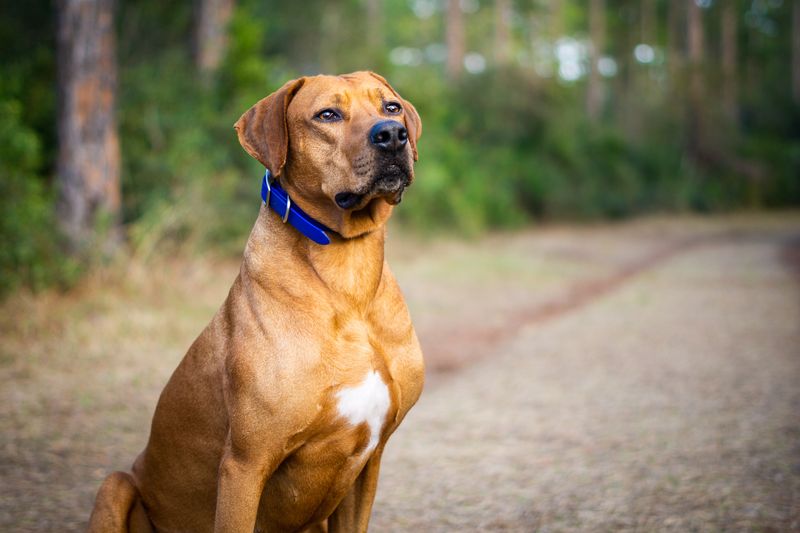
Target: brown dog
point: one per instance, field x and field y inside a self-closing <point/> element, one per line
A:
<point x="277" y="416"/>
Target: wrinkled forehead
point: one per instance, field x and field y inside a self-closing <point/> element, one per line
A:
<point x="343" y="92"/>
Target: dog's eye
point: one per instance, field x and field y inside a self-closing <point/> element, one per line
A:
<point x="328" y="115"/>
<point x="392" y="108"/>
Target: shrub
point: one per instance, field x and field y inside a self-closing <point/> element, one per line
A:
<point x="30" y="253"/>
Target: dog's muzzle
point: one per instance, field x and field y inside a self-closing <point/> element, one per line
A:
<point x="392" y="183"/>
<point x="348" y="200"/>
<point x="389" y="185"/>
<point x="392" y="170"/>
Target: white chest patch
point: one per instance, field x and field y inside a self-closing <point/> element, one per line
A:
<point x="367" y="402"/>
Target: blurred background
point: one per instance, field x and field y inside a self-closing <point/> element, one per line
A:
<point x="116" y="115"/>
<point x="601" y="250"/>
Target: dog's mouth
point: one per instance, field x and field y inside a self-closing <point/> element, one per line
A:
<point x="348" y="200"/>
<point x="389" y="182"/>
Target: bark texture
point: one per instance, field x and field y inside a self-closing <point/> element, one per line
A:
<point x="796" y="52"/>
<point x="675" y="37"/>
<point x="502" y="32"/>
<point x="88" y="151"/>
<point x="597" y="31"/>
<point x="556" y="18"/>
<point x="696" y="35"/>
<point x="729" y="49"/>
<point x="374" y="25"/>
<point x="211" y="33"/>
<point x="456" y="45"/>
<point x="331" y="26"/>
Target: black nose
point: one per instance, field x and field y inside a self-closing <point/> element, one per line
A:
<point x="388" y="135"/>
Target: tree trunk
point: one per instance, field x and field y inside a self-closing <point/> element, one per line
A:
<point x="728" y="47"/>
<point x="87" y="168"/>
<point x="597" y="31"/>
<point x="628" y="95"/>
<point x="553" y="29"/>
<point x="211" y="33"/>
<point x="456" y="45"/>
<point x="556" y="16"/>
<point x="502" y="32"/>
<point x="796" y="52"/>
<point x="374" y="25"/>
<point x="696" y="36"/>
<point x="675" y="34"/>
<point x="649" y="22"/>
<point x="375" y="42"/>
<point x="330" y="32"/>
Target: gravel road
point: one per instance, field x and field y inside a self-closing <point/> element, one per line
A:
<point x="671" y="404"/>
<point x="643" y="376"/>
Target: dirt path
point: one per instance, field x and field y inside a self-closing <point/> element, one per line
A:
<point x="672" y="404"/>
<point x="641" y="376"/>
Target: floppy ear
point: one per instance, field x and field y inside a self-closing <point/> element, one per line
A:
<point x="413" y="125"/>
<point x="413" y="122"/>
<point x="262" y="129"/>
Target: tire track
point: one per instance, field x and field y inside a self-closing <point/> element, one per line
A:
<point x="451" y="348"/>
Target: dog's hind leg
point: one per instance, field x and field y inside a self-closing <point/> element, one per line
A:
<point x="118" y="507"/>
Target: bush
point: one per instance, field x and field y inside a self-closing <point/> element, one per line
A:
<point x="504" y="148"/>
<point x="30" y="254"/>
<point x="499" y="149"/>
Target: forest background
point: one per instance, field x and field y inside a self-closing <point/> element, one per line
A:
<point x="116" y="116"/>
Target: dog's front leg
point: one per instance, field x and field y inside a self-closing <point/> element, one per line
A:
<point x="241" y="481"/>
<point x="250" y="455"/>
<point x="352" y="514"/>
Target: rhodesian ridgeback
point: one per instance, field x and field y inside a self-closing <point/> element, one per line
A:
<point x="277" y="417"/>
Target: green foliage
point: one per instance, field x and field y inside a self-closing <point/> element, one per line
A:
<point x="508" y="148"/>
<point x="29" y="255"/>
<point x="187" y="184"/>
<point x="182" y="172"/>
<point x="500" y="149"/>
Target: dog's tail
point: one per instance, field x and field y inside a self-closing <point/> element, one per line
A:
<point x="118" y="507"/>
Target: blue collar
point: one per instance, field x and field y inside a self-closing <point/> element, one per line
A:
<point x="278" y="200"/>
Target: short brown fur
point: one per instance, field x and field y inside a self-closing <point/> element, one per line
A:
<point x="246" y="435"/>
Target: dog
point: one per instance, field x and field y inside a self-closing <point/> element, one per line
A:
<point x="277" y="416"/>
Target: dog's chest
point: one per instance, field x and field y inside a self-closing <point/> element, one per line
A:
<point x="366" y="403"/>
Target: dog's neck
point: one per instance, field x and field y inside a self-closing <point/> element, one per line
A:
<point x="348" y="268"/>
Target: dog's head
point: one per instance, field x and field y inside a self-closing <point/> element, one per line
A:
<point x="343" y="146"/>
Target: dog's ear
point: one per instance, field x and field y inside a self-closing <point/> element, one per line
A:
<point x="413" y="122"/>
<point x="413" y="125"/>
<point x="262" y="129"/>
